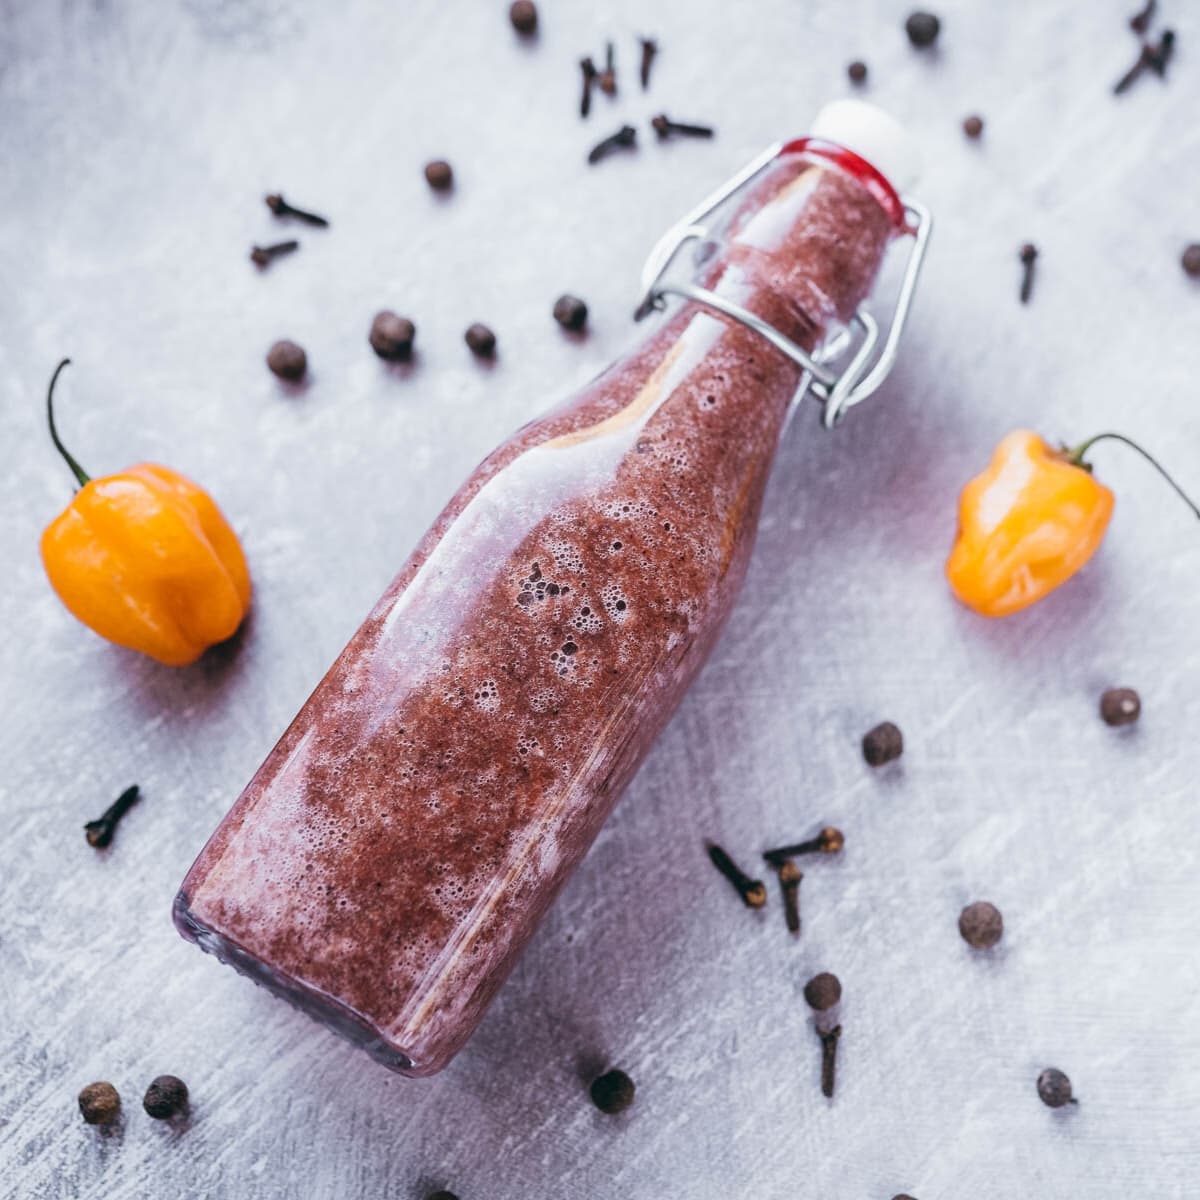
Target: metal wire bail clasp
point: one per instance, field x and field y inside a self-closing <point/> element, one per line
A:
<point x="866" y="363"/>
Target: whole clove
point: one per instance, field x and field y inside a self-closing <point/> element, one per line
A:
<point x="828" y="841"/>
<point x="262" y="256"/>
<point x="612" y="1092"/>
<point x="166" y="1097"/>
<point x="607" y="79"/>
<point x="1054" y="1088"/>
<point x="281" y="208"/>
<point x="524" y="17"/>
<point x="1140" y="21"/>
<point x="589" y="81"/>
<point x="790" y="877"/>
<point x="752" y="891"/>
<point x="1120" y="706"/>
<point x="625" y="137"/>
<point x="829" y="1044"/>
<point x="1028" y="256"/>
<point x="649" y="50"/>
<point x="1150" y="58"/>
<point x="99" y="1103"/>
<point x="99" y="833"/>
<point x="665" y="128"/>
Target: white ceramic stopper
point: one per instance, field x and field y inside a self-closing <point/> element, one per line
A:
<point x="874" y="135"/>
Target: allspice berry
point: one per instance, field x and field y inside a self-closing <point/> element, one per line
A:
<point x="981" y="925"/>
<point x="922" y="29"/>
<point x="524" y="17"/>
<point x="823" y="991"/>
<point x="1120" y="706"/>
<point x="439" y="175"/>
<point x="882" y="744"/>
<point x="570" y="312"/>
<point x="391" y="336"/>
<point x="166" y="1097"/>
<point x="99" y="1103"/>
<point x="481" y="340"/>
<point x="288" y="361"/>
<point x="1054" y="1088"/>
<point x="612" y="1092"/>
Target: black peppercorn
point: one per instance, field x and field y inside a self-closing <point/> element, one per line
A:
<point x="1054" y="1088"/>
<point x="570" y="312"/>
<point x="1191" y="260"/>
<point x="524" y="17"/>
<point x="392" y="336"/>
<point x="439" y="175"/>
<point x="481" y="340"/>
<point x="612" y="1092"/>
<point x="973" y="127"/>
<point x="166" y="1097"/>
<point x="882" y="744"/>
<point x="1120" y="706"/>
<point x="288" y="361"/>
<point x="823" y="991"/>
<point x="99" y="1103"/>
<point x="981" y="925"/>
<point x="922" y="29"/>
<point x="857" y="72"/>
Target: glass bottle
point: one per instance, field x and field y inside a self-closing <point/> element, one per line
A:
<point x="396" y="850"/>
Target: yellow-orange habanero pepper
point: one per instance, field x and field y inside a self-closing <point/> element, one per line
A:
<point x="1029" y="522"/>
<point x="145" y="558"/>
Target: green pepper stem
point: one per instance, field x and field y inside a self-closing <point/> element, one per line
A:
<point x="80" y="473"/>
<point x="1076" y="456"/>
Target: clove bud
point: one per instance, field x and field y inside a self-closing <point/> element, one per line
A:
<point x="281" y="208"/>
<point x="99" y="833"/>
<point x="752" y="891"/>
<point x="625" y="137"/>
<point x="665" y="127"/>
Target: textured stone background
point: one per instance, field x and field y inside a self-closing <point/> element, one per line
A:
<point x="136" y="141"/>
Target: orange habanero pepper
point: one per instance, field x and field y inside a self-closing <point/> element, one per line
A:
<point x="145" y="558"/>
<point x="1029" y="522"/>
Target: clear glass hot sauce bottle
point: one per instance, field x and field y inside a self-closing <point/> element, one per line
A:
<point x="394" y="853"/>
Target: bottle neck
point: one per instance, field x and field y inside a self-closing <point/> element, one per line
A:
<point x="804" y="247"/>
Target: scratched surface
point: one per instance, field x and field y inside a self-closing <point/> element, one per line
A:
<point x="136" y="141"/>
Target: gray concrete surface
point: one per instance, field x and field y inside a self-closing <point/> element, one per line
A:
<point x="136" y="141"/>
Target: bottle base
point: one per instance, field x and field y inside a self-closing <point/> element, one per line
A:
<point x="331" y="1013"/>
